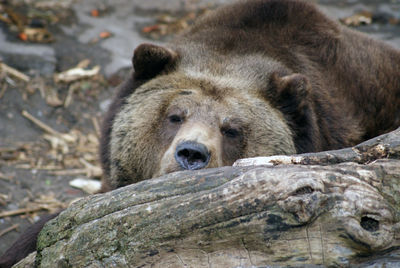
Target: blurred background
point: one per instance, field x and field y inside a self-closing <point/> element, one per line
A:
<point x="59" y="63"/>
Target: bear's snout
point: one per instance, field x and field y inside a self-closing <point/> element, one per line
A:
<point x="192" y="155"/>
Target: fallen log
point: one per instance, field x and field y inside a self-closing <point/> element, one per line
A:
<point x="336" y="208"/>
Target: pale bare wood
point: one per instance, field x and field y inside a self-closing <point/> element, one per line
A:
<point x="4" y="67"/>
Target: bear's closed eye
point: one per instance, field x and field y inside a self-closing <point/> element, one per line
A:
<point x="230" y="132"/>
<point x="176" y="119"/>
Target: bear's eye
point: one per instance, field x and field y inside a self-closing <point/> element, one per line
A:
<point x="230" y="132"/>
<point x="176" y="119"/>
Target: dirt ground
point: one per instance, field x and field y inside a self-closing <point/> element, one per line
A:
<point x="49" y="119"/>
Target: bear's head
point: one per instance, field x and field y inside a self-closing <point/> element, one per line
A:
<point x="181" y="117"/>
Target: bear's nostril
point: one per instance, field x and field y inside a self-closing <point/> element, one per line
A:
<point x="184" y="153"/>
<point x="192" y="155"/>
<point x="198" y="156"/>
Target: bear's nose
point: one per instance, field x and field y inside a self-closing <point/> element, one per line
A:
<point x="192" y="155"/>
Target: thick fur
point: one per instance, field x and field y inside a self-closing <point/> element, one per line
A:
<point x="323" y="87"/>
<point x="258" y="77"/>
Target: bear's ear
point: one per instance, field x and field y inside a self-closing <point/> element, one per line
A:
<point x="289" y="91"/>
<point x="150" y="60"/>
<point x="292" y="95"/>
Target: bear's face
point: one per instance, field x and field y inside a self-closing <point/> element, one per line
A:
<point x="183" y="111"/>
<point x="176" y="122"/>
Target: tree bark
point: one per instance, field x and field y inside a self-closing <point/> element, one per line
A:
<point x="336" y="208"/>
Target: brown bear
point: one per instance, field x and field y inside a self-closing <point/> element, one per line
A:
<point x="255" y="78"/>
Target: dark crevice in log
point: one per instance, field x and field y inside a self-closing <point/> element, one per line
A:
<point x="369" y="224"/>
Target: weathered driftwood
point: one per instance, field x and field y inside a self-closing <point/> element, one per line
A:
<point x="337" y="208"/>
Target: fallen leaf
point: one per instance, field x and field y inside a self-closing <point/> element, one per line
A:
<point x="94" y="13"/>
<point x="105" y="35"/>
<point x="23" y="36"/>
<point x="151" y="28"/>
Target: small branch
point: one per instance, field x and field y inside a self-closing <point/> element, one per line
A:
<point x="80" y="171"/>
<point x="96" y="126"/>
<point x="68" y="99"/>
<point x="88" y="171"/>
<point x="3" y="90"/>
<point x="40" y="124"/>
<point x="49" y="167"/>
<point x="9" y="229"/>
<point x="14" y="72"/>
<point x="19" y="211"/>
<point x="25" y="210"/>
<point x="91" y="170"/>
<point x="46" y="128"/>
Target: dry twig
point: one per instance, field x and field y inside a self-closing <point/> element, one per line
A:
<point x="20" y="211"/>
<point x="3" y="90"/>
<point x="96" y="126"/>
<point x="14" y="72"/>
<point x="35" y="208"/>
<point x="9" y="229"/>
<point x="40" y="124"/>
<point x="47" y="128"/>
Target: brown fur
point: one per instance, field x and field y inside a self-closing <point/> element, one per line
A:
<point x="320" y="85"/>
<point x="352" y="70"/>
<point x="254" y="78"/>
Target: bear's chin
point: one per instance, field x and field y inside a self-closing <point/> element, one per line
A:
<point x="167" y="169"/>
